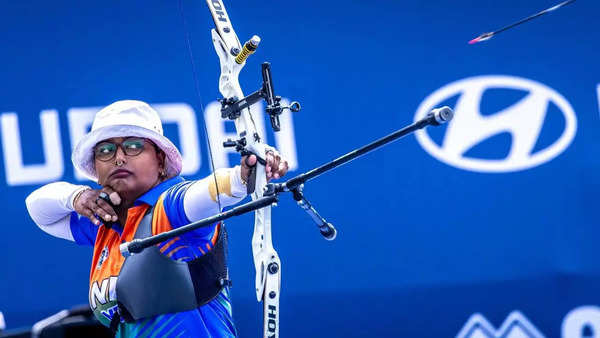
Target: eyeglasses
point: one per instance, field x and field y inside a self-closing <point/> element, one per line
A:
<point x="105" y="151"/>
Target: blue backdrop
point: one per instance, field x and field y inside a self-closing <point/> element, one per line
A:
<point x="485" y="228"/>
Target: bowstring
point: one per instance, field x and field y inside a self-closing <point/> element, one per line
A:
<point x="199" y="97"/>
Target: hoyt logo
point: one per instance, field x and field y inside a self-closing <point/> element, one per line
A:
<point x="523" y="121"/>
<point x="179" y="116"/>
<point x="272" y="323"/>
<point x="216" y="4"/>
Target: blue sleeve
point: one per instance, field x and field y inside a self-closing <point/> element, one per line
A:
<point x="83" y="230"/>
<point x="173" y="203"/>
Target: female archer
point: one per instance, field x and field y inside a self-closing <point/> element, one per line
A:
<point x="177" y="288"/>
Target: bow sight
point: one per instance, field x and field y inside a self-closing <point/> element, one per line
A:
<point x="232" y="107"/>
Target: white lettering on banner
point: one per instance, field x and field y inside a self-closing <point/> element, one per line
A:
<point x="516" y="325"/>
<point x="185" y="118"/>
<point x="523" y="120"/>
<point x="215" y="127"/>
<point x="583" y="321"/>
<point x="285" y="140"/>
<point x="181" y="114"/>
<point x="80" y="121"/>
<point x="18" y="173"/>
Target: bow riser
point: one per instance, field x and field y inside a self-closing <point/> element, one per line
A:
<point x="229" y="87"/>
<point x="266" y="260"/>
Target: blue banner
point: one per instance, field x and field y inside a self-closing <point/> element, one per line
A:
<point x="484" y="227"/>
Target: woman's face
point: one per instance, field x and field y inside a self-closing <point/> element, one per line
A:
<point x="134" y="168"/>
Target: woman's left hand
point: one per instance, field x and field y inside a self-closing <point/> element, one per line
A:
<point x="276" y="166"/>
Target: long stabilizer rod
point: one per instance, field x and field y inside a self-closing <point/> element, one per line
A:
<point x="436" y="117"/>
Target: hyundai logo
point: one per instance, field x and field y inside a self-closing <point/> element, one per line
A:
<point x="523" y="120"/>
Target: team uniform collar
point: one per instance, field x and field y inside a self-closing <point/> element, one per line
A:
<point x="152" y="195"/>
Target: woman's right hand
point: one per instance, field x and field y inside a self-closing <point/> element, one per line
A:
<point x="89" y="204"/>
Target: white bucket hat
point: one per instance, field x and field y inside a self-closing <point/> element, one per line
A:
<point x="123" y="119"/>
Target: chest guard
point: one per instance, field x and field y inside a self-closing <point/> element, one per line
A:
<point x="152" y="284"/>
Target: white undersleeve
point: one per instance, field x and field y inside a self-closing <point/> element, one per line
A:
<point x="50" y="208"/>
<point x="198" y="202"/>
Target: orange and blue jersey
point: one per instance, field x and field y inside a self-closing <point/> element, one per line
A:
<point x="211" y="320"/>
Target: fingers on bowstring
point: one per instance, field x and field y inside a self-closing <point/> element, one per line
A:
<point x="283" y="168"/>
<point x="114" y="197"/>
<point x="273" y="162"/>
<point x="105" y="211"/>
<point x="269" y="158"/>
<point x="89" y="213"/>
<point x="85" y="205"/>
<point x="250" y="161"/>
